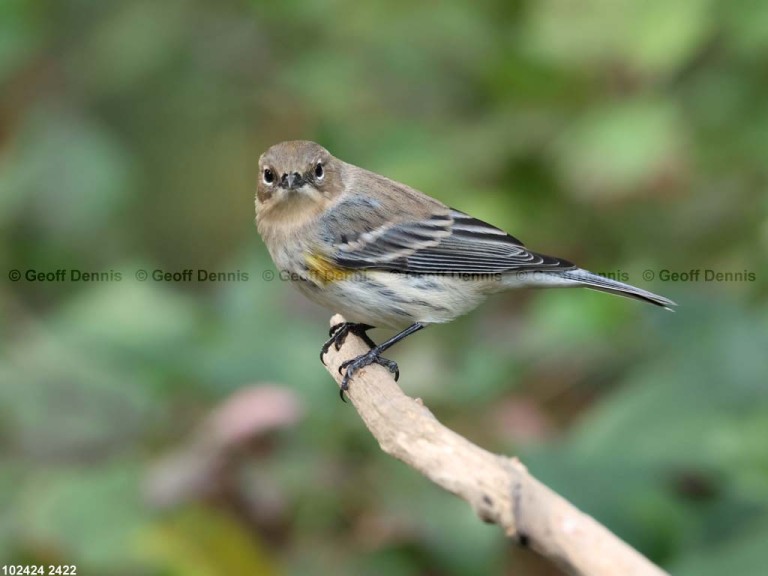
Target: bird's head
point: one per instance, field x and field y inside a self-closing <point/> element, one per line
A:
<point x="296" y="176"/>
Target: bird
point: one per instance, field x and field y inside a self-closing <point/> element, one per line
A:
<point x="386" y="255"/>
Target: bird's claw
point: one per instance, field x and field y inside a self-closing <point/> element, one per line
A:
<point x="335" y="328"/>
<point x="355" y="364"/>
<point x="338" y="334"/>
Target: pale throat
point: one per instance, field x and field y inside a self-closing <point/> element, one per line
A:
<point x="291" y="212"/>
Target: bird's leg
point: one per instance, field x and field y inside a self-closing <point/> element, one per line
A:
<point x="338" y="333"/>
<point x="373" y="356"/>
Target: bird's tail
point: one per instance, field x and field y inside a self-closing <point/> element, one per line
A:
<point x="590" y="280"/>
<point x="579" y="277"/>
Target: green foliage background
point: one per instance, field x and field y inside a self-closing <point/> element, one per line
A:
<point x="626" y="136"/>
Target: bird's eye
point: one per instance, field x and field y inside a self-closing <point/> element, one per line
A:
<point x="269" y="176"/>
<point x="319" y="171"/>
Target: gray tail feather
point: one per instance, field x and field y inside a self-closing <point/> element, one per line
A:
<point x="590" y="280"/>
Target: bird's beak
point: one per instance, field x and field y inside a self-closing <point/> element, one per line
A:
<point x="292" y="181"/>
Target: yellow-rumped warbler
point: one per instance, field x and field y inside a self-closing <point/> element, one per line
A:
<point x="386" y="255"/>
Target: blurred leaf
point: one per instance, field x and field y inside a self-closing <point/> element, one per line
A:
<point x="745" y="24"/>
<point x="688" y="398"/>
<point x="20" y="36"/>
<point x="204" y="542"/>
<point x="58" y="405"/>
<point x="618" y="149"/>
<point x="143" y="36"/>
<point x="72" y="171"/>
<point x="90" y="514"/>
<point x="652" y="36"/>
<point x="744" y="556"/>
<point x="135" y="319"/>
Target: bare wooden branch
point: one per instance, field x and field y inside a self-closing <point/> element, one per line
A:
<point x="499" y="489"/>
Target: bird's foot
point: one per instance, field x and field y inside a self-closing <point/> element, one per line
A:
<point x="373" y="356"/>
<point x="338" y="334"/>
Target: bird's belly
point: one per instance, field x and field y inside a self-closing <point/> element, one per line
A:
<point x="392" y="300"/>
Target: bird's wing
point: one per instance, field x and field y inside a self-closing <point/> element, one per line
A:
<point x="443" y="242"/>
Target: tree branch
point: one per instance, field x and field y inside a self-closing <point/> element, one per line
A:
<point x="499" y="489"/>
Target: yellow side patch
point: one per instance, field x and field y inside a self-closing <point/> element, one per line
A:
<point x="324" y="271"/>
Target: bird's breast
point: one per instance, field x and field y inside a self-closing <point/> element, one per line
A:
<point x="392" y="300"/>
